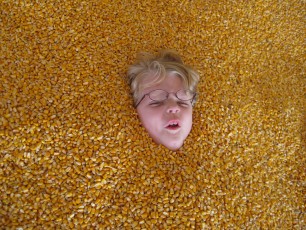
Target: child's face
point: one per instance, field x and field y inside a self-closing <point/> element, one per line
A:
<point x="160" y="119"/>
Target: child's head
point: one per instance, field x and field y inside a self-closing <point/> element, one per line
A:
<point x="164" y="91"/>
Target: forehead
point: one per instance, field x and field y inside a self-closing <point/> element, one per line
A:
<point x="171" y="83"/>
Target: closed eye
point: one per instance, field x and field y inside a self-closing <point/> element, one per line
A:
<point x="156" y="103"/>
<point x="183" y="103"/>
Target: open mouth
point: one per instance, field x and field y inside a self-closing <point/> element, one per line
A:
<point x="173" y="125"/>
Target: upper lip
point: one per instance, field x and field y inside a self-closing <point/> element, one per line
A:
<point x="173" y="122"/>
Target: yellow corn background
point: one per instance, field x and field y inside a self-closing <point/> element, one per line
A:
<point x="73" y="152"/>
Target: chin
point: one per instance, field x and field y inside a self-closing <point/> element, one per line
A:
<point x="173" y="146"/>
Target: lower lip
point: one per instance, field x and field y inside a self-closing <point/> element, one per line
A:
<point x="173" y="128"/>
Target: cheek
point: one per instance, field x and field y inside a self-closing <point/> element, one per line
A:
<point x="149" y="117"/>
<point x="188" y="118"/>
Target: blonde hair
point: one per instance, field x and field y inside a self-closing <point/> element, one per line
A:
<point x="157" y="68"/>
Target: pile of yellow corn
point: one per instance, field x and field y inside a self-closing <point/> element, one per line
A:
<point x="74" y="155"/>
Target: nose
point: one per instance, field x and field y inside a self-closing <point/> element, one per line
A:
<point x="172" y="106"/>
